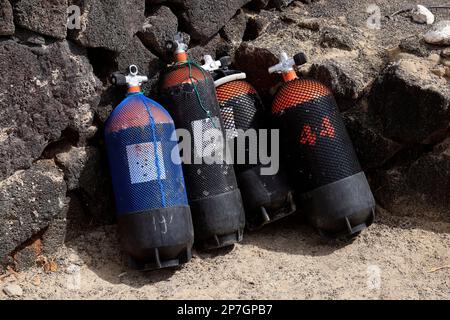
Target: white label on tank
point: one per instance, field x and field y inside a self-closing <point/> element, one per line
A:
<point x="228" y="120"/>
<point x="142" y="162"/>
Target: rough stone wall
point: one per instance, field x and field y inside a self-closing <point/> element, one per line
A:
<point x="55" y="96"/>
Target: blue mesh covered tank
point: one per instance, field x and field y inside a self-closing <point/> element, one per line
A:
<point x="155" y="224"/>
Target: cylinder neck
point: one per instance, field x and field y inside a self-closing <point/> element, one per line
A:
<point x="134" y="89"/>
<point x="181" y="57"/>
<point x="289" y="76"/>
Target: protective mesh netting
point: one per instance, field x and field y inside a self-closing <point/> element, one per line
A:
<point x="314" y="134"/>
<point x="143" y="155"/>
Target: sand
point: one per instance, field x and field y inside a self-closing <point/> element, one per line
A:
<point x="394" y="259"/>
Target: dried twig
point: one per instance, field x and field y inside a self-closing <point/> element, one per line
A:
<point x="439" y="7"/>
<point x="439" y="268"/>
<point x="4" y="276"/>
<point x="12" y="271"/>
<point x="9" y="272"/>
<point x="410" y="9"/>
<point x="398" y="12"/>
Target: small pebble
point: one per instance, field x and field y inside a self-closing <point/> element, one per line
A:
<point x="13" y="290"/>
<point x="445" y="53"/>
<point x="421" y="14"/>
<point x="434" y="58"/>
<point x="446" y="62"/>
<point x="343" y="19"/>
<point x="36" y="280"/>
<point x="309" y="23"/>
<point x="439" y="34"/>
<point x="440" y="72"/>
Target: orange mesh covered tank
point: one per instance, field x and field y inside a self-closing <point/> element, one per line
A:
<point x="298" y="91"/>
<point x="214" y="197"/>
<point x="267" y="198"/>
<point x="331" y="186"/>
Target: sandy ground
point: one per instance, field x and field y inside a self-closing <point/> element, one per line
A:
<point x="394" y="259"/>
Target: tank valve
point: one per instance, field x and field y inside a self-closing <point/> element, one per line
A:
<point x="220" y="67"/>
<point x="177" y="44"/>
<point x="132" y="79"/>
<point x="225" y="61"/>
<point x="211" y="64"/>
<point x="286" y="64"/>
<point x="178" y="48"/>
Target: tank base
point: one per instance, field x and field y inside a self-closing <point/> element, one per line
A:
<point x="221" y="241"/>
<point x="219" y="221"/>
<point x="266" y="198"/>
<point x="157" y="263"/>
<point x="341" y="209"/>
<point x="157" y="238"/>
<point x="271" y="212"/>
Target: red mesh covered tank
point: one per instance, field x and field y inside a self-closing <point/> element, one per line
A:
<point x="215" y="200"/>
<point x="267" y="198"/>
<point x="332" y="187"/>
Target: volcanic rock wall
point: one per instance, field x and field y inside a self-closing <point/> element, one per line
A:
<point x="55" y="96"/>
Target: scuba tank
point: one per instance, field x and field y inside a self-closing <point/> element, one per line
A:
<point x="267" y="198"/>
<point x="333" y="189"/>
<point x="214" y="197"/>
<point x="154" y="219"/>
